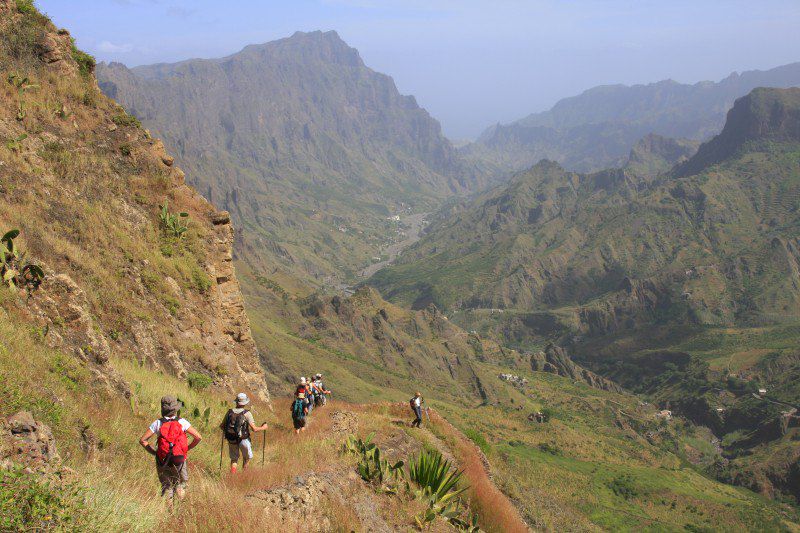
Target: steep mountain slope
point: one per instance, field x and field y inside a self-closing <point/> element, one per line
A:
<point x="308" y="148"/>
<point x="597" y="128"/>
<point x="667" y="284"/>
<point x="83" y="184"/>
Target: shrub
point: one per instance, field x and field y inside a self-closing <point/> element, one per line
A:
<point x="371" y="466"/>
<point x="124" y="119"/>
<point x="201" y="281"/>
<point x="552" y="449"/>
<point x="198" y="381"/>
<point x="125" y="149"/>
<point x="478" y="438"/>
<point x="28" y="503"/>
<point x="86" y="63"/>
<point x="23" y="41"/>
<point x="15" y="271"/>
<point x="26" y="7"/>
<point x="624" y="486"/>
<point x="439" y="487"/>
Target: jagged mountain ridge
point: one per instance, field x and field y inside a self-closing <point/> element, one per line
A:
<point x="301" y="142"/>
<point x="597" y="128"/>
<point x="552" y="238"/>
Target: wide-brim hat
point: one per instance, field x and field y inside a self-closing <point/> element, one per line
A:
<point x="170" y="405"/>
<point x="242" y="399"/>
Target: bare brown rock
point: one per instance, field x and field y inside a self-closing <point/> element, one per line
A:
<point x="28" y="442"/>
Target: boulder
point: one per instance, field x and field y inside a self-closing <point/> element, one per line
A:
<point x="28" y="442"/>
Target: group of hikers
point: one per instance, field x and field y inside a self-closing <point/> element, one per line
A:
<point x="309" y="393"/>
<point x="172" y="432"/>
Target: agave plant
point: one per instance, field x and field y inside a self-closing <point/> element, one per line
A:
<point x="372" y="467"/>
<point x="172" y="224"/>
<point x="437" y="480"/>
<point x="15" y="270"/>
<point x="439" y="486"/>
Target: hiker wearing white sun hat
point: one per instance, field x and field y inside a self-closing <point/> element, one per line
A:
<point x="237" y="426"/>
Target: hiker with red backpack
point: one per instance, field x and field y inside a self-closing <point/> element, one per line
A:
<point x="172" y="447"/>
<point x="237" y="426"/>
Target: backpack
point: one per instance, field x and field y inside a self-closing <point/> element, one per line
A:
<point x="297" y="409"/>
<point x="412" y="403"/>
<point x="236" y="427"/>
<point x="172" y="445"/>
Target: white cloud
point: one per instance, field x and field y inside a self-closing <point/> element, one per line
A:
<point x="110" y="48"/>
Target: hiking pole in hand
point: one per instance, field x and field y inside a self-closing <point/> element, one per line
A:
<point x="428" y="415"/>
<point x="221" y="446"/>
<point x="263" y="448"/>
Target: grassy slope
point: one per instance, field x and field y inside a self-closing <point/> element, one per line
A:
<point x="562" y="474"/>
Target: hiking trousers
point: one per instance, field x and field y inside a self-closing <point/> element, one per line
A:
<point x="418" y="420"/>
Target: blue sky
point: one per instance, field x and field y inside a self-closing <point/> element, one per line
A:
<point x="471" y="63"/>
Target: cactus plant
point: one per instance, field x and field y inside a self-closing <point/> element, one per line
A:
<point x="15" y="270"/>
<point x="15" y="144"/>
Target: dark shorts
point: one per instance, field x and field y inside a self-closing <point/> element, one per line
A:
<point x="299" y="422"/>
<point x="173" y="478"/>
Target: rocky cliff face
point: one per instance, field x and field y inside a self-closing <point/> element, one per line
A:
<point x="302" y="141"/>
<point x="83" y="183"/>
<point x="763" y="115"/>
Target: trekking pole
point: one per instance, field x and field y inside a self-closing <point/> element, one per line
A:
<point x="428" y="415"/>
<point x="263" y="449"/>
<point x="221" y="446"/>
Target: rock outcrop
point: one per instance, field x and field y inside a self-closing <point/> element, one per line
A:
<point x="555" y="360"/>
<point x="28" y="443"/>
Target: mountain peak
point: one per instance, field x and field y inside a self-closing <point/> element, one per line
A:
<point x="763" y="114"/>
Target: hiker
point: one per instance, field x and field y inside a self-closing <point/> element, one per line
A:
<point x="237" y="426"/>
<point x="321" y="392"/>
<point x="416" y="406"/>
<point x="172" y="447"/>
<point x="299" y="412"/>
<point x="301" y="387"/>
<point x="309" y="394"/>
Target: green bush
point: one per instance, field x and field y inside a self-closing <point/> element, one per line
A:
<point x="23" y="41"/>
<point x="198" y="381"/>
<point x="124" y="119"/>
<point x="552" y="449"/>
<point x="28" y="503"/>
<point x="86" y="63"/>
<point x="478" y="438"/>
<point x="201" y="281"/>
<point x="26" y="7"/>
<point x="624" y="486"/>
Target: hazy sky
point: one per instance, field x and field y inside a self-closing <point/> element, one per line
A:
<point x="470" y="63"/>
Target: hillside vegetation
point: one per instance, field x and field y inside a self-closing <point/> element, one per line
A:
<point x="649" y="280"/>
<point x="139" y="299"/>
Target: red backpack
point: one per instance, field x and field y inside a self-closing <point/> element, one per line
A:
<point x="172" y="443"/>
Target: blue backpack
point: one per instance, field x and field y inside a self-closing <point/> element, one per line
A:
<point x="297" y="409"/>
